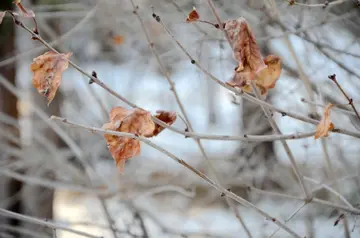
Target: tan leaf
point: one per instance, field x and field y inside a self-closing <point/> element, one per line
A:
<point x="118" y="39"/>
<point x="268" y="77"/>
<point x="135" y="121"/>
<point x="264" y="80"/>
<point x="25" y="12"/>
<point x="47" y="70"/>
<point x="167" y="117"/>
<point x="193" y="16"/>
<point x="245" y="49"/>
<point x="325" y="125"/>
<point x="2" y="15"/>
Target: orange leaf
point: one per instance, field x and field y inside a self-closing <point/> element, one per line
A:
<point x="25" y="12"/>
<point x="193" y="16"/>
<point x="136" y="121"/>
<point x="325" y="125"/>
<point x="48" y="69"/>
<point x="2" y="15"/>
<point x="245" y="49"/>
<point x="118" y="39"/>
<point x="264" y="80"/>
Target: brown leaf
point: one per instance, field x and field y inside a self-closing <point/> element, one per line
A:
<point x="193" y="16"/>
<point x="136" y="121"/>
<point x="118" y="39"/>
<point x="245" y="49"/>
<point x="48" y="69"/>
<point x="25" y="12"/>
<point x="167" y="117"/>
<point x="264" y="80"/>
<point x="325" y="125"/>
<point x="2" y="15"/>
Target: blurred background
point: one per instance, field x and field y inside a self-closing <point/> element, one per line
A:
<point x="43" y="163"/>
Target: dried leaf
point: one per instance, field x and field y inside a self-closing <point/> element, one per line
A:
<point x="48" y="69"/>
<point x="25" y="12"/>
<point x="2" y="15"/>
<point x="264" y="80"/>
<point x="193" y="16"/>
<point x="118" y="39"/>
<point x="325" y="125"/>
<point x="245" y="49"/>
<point x="167" y="117"/>
<point x="136" y="121"/>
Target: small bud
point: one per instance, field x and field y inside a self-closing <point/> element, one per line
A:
<point x="332" y="77"/>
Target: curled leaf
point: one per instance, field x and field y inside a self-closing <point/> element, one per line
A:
<point x="25" y="12"/>
<point x="167" y="117"/>
<point x="264" y="80"/>
<point x="245" y="49"/>
<point x="2" y="15"/>
<point x="47" y="70"/>
<point x="193" y="16"/>
<point x="325" y="125"/>
<point x="137" y="122"/>
<point x="118" y="39"/>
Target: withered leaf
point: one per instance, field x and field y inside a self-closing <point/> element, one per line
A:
<point x="2" y="15"/>
<point x="325" y="125"/>
<point x="47" y="70"/>
<point x="193" y="16"/>
<point x="167" y="117"/>
<point x="264" y="80"/>
<point x="25" y="12"/>
<point x="136" y="121"/>
<point x="245" y="49"/>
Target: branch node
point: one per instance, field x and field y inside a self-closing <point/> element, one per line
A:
<point x="94" y="74"/>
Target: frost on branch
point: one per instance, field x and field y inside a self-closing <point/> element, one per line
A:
<point x="47" y="70"/>
<point x="245" y="49"/>
<point x="137" y="122"/>
<point x="264" y="80"/>
<point x="193" y="16"/>
<point x="325" y="125"/>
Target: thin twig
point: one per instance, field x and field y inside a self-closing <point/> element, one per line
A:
<point x="110" y="221"/>
<point x="237" y="92"/>
<point x="289" y="218"/>
<point x="333" y="78"/>
<point x="223" y="191"/>
<point x="248" y="96"/>
<point x="322" y="5"/>
<point x="285" y="145"/>
<point x="200" y="174"/>
<point x="268" y="115"/>
<point x="49" y="224"/>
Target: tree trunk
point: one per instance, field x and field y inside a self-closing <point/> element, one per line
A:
<point x="39" y="200"/>
<point x="8" y="105"/>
